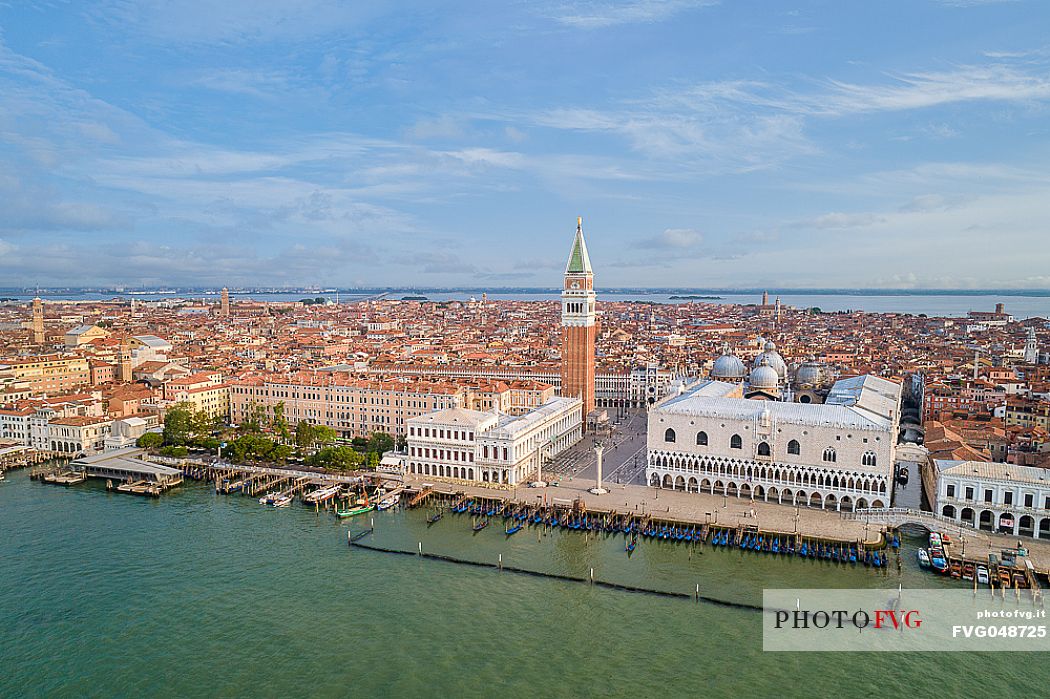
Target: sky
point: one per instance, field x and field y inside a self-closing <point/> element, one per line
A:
<point x="706" y="144"/>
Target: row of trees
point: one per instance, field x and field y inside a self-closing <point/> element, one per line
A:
<point x="264" y="437"/>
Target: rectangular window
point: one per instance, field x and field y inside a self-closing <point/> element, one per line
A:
<point x="987" y="496"/>
<point x="969" y="493"/>
<point x="1008" y="497"/>
<point x="951" y="491"/>
<point x="1028" y="499"/>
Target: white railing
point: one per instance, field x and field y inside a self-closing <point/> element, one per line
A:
<point x="897" y="516"/>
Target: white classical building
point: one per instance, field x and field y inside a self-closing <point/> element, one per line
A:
<point x="837" y="455"/>
<point x="491" y="447"/>
<point x="998" y="497"/>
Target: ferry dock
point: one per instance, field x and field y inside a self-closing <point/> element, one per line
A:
<point x="124" y="471"/>
<point x="281" y="486"/>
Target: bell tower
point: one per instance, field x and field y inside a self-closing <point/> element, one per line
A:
<point x="578" y="323"/>
<point x="124" y="359"/>
<point x="38" y="321"/>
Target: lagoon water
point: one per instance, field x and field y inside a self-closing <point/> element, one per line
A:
<point x="931" y="304"/>
<point x="203" y="595"/>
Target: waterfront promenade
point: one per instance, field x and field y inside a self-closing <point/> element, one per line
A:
<point x="729" y="511"/>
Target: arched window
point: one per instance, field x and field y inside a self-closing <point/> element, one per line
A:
<point x="869" y="458"/>
<point x="794" y="447"/>
<point x="669" y="435"/>
<point x="735" y="442"/>
<point x="763" y="449"/>
<point x="701" y="439"/>
<point x="829" y="455"/>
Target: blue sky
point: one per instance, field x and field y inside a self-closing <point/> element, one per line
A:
<point x="706" y="144"/>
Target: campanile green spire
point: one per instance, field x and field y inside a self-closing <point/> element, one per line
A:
<point x="579" y="262"/>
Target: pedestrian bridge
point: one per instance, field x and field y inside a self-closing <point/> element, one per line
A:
<point x="907" y="518"/>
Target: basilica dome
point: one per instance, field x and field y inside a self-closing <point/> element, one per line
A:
<point x="772" y="357"/>
<point x="809" y="374"/>
<point x="728" y="366"/>
<point x="764" y="377"/>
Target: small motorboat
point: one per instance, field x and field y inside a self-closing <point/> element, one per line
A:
<point x="937" y="561"/>
<point x="282" y="500"/>
<point x="967" y="571"/>
<point x="354" y="511"/>
<point x="387" y="503"/>
<point x="924" y="558"/>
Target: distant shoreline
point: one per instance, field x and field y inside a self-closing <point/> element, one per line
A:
<point x="705" y="293"/>
<point x="693" y="297"/>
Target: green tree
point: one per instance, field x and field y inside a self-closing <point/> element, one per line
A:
<point x="380" y="443"/>
<point x="307" y="435"/>
<point x="150" y="440"/>
<point x="201" y="425"/>
<point x="323" y="434"/>
<point x="178" y="424"/>
<point x="279" y="424"/>
<point x="281" y="453"/>
<point x="335" y="458"/>
<point x="254" y="417"/>
<point x="304" y="435"/>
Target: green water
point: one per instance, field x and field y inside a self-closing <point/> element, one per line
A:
<point x="198" y="595"/>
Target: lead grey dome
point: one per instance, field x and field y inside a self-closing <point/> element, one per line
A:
<point x="809" y="374"/>
<point x="772" y="357"/>
<point x="728" y="366"/>
<point x="765" y="377"/>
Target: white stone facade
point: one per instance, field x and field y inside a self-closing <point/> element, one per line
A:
<point x="837" y="456"/>
<point x="997" y="497"/>
<point x="488" y="447"/>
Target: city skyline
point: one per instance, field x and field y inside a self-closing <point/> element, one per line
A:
<point x="254" y="144"/>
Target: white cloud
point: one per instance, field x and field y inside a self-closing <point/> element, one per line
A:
<point x="674" y="239"/>
<point x="837" y="220"/>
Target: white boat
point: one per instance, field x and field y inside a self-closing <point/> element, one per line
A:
<point x="322" y="494"/>
<point x="924" y="558"/>
<point x="982" y="575"/>
<point x="283" y="500"/>
<point x="387" y="503"/>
